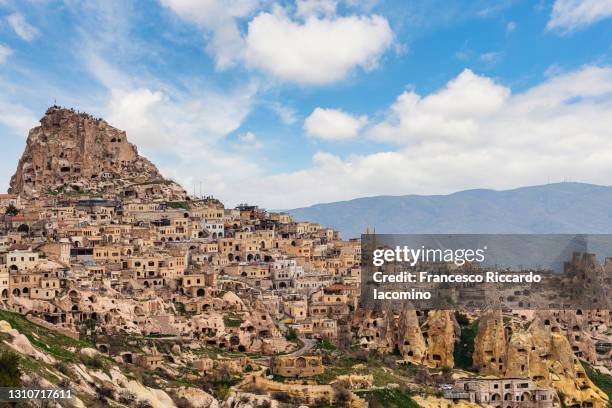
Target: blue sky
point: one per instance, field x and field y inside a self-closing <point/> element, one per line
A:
<point x="285" y="104"/>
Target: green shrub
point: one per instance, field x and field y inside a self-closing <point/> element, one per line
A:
<point x="93" y="362"/>
<point x="388" y="397"/>
<point x="10" y="369"/>
<point x="291" y="335"/>
<point x="465" y="346"/>
<point x="462" y="319"/>
<point x="326" y="344"/>
<point x="11" y="210"/>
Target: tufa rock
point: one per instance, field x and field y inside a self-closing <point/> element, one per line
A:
<point x="74" y="153"/>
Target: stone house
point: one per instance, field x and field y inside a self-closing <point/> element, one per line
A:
<point x="297" y="367"/>
<point x="502" y="392"/>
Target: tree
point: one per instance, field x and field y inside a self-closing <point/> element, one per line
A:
<point x="10" y="370"/>
<point x="11" y="210"/>
<point x="291" y="335"/>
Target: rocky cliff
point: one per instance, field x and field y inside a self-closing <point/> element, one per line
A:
<point x="75" y="153"/>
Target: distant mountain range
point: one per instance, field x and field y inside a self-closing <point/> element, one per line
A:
<point x="550" y="208"/>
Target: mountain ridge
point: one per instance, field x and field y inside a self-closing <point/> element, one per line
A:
<point x="567" y="207"/>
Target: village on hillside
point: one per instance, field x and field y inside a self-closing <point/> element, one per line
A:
<point x="118" y="285"/>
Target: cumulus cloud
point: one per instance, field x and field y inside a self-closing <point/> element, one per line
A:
<point x="571" y="15"/>
<point x="155" y="119"/>
<point x="453" y="113"/>
<point x="22" y="28"/>
<point x="318" y="50"/>
<point x="307" y="44"/>
<point x="5" y="52"/>
<point x="185" y="134"/>
<point x="218" y="18"/>
<point x="183" y="129"/>
<point x="472" y="133"/>
<point x="333" y="124"/>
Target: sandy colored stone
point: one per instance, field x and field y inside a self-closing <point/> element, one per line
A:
<point x="435" y="402"/>
<point x="490" y="344"/>
<point x="442" y="331"/>
<point x="75" y="152"/>
<point x="410" y="342"/>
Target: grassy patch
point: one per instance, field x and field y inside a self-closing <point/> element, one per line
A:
<point x="178" y="204"/>
<point x="382" y="377"/>
<point x="388" y="397"/>
<point x="601" y="380"/>
<point x="346" y="365"/>
<point x="47" y="340"/>
<point x="331" y="373"/>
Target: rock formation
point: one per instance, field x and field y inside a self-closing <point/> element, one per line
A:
<point x="442" y="331"/>
<point x="490" y="345"/>
<point x="539" y="350"/>
<point x="411" y="343"/>
<point x="74" y="153"/>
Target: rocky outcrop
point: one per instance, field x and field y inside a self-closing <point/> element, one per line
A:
<point x="540" y="351"/>
<point x="386" y="332"/>
<point x="196" y="398"/>
<point x="490" y="345"/>
<point x="375" y="329"/>
<point x="442" y="331"/>
<point x="411" y="343"/>
<point x="72" y="152"/>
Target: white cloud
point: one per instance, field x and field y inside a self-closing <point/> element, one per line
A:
<point x="155" y="119"/>
<point x="318" y="8"/>
<point x="511" y="26"/>
<point x="218" y="18"/>
<point x="286" y="114"/>
<point x="248" y="141"/>
<point x="570" y="15"/>
<point x="16" y="117"/>
<point x="21" y="27"/>
<point x="453" y="113"/>
<point x="185" y="134"/>
<point x="181" y="123"/>
<point x="311" y="46"/>
<point x="333" y="124"/>
<point x="247" y="137"/>
<point x="473" y="133"/>
<point x="317" y="51"/>
<point x="5" y="52"/>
